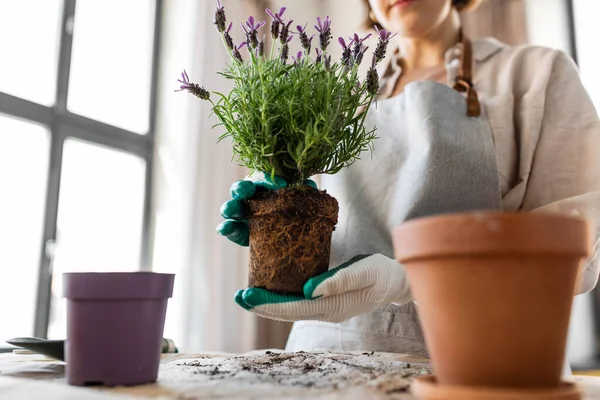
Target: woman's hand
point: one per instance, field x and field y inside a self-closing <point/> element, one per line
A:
<point x="235" y="211"/>
<point x="359" y="286"/>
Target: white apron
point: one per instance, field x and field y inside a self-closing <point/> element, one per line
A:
<point x="430" y="157"/>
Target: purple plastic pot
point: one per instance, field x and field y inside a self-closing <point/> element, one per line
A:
<point x="115" y="324"/>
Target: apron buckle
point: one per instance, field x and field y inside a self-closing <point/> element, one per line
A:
<point x="462" y="85"/>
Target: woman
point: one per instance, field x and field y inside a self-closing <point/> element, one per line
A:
<point x="462" y="126"/>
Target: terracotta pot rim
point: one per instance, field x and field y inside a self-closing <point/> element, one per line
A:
<point x="426" y="387"/>
<point x="491" y="233"/>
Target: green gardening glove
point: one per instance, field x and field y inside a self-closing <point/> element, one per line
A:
<point x="235" y="211"/>
<point x="362" y="285"/>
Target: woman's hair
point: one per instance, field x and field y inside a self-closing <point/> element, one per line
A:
<point x="461" y="5"/>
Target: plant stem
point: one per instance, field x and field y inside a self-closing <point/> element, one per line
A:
<point x="264" y="99"/>
<point x="226" y="48"/>
<point x="273" y="40"/>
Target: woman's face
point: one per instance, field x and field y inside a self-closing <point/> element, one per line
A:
<point x="411" y="18"/>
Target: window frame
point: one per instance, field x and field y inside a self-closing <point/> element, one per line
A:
<point x="571" y="29"/>
<point x="63" y="125"/>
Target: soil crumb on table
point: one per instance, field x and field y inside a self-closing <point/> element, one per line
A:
<point x="307" y="370"/>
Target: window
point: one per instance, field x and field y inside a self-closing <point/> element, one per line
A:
<point x="115" y="65"/>
<point x="585" y="34"/>
<point x="547" y="23"/>
<point x="77" y="96"/>
<point x="34" y="39"/>
<point x="24" y="154"/>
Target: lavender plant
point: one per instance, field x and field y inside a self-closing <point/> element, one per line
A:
<point x="294" y="116"/>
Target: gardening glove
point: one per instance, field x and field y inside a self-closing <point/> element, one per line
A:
<point x="235" y="211"/>
<point x="362" y="285"/>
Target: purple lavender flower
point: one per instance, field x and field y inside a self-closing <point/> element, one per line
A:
<point x="359" y="47"/>
<point x="277" y="21"/>
<point x="384" y="35"/>
<point x="275" y="30"/>
<point x="260" y="51"/>
<point x="298" y="58"/>
<point x="372" y="79"/>
<point x="251" y="28"/>
<point x="285" y="50"/>
<point x="185" y="81"/>
<point x="359" y="56"/>
<point x="384" y="39"/>
<point x="346" y="51"/>
<point x="254" y="26"/>
<point x="192" y="88"/>
<point x="284" y="33"/>
<point x="236" y="52"/>
<point x="319" y="55"/>
<point x="327" y="62"/>
<point x="220" y="19"/>
<point x="305" y="41"/>
<point x="277" y="16"/>
<point x="324" y="29"/>
<point x="227" y="37"/>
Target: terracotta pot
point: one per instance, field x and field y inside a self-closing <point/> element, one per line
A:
<point x="494" y="293"/>
<point x="426" y="388"/>
<point x="290" y="237"/>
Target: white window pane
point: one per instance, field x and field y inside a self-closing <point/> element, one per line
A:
<point x="547" y="23"/>
<point x="29" y="38"/>
<point x="100" y="216"/>
<point x="111" y="62"/>
<point x="587" y="31"/>
<point x="24" y="150"/>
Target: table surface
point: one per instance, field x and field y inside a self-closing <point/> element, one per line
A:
<point x="266" y="374"/>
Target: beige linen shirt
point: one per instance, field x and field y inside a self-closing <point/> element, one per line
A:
<point x="545" y="128"/>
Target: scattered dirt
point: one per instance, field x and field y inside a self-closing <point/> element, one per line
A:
<point x="314" y="370"/>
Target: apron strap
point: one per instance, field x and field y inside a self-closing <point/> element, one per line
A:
<point x="463" y="81"/>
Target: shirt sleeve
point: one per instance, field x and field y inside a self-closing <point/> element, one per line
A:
<point x="565" y="173"/>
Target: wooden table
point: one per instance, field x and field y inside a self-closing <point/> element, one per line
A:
<point x="257" y="375"/>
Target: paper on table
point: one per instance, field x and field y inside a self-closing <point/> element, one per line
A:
<point x="18" y="389"/>
<point x="34" y="371"/>
<point x="31" y="366"/>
